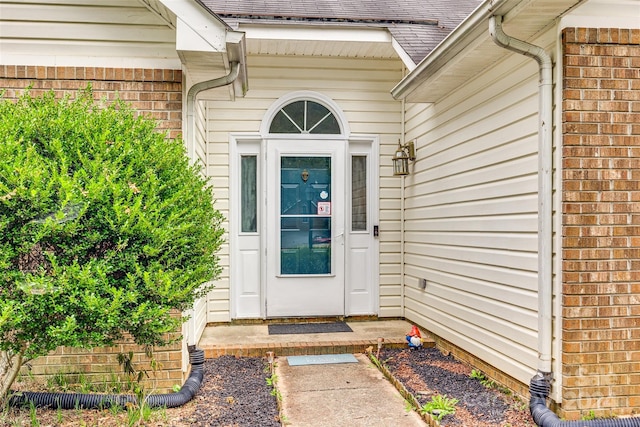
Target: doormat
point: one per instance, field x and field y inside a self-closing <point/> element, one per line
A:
<point x="308" y="328"/>
<point x="321" y="359"/>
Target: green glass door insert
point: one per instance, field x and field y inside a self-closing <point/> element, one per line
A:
<point x="305" y="215"/>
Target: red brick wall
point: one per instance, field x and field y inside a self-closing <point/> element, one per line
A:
<point x="601" y="222"/>
<point x="155" y="93"/>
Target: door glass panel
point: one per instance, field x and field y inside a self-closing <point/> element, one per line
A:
<point x="359" y="193"/>
<point x="305" y="215"/>
<point x="248" y="194"/>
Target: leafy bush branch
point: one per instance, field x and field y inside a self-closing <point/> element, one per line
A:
<point x="105" y="229"/>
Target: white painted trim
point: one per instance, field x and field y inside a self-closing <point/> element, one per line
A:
<point x="604" y="14"/>
<point x="404" y="56"/>
<point x="258" y="146"/>
<point x="372" y="143"/>
<point x="244" y="144"/>
<point x="206" y="25"/>
<point x="556" y="350"/>
<point x="301" y="96"/>
<point x="585" y="21"/>
<point x="9" y="54"/>
<point x="323" y="33"/>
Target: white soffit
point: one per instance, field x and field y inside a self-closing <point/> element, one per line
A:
<point x="318" y="41"/>
<point x="469" y="49"/>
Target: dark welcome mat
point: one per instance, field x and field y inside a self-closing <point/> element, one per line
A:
<point x="308" y="328"/>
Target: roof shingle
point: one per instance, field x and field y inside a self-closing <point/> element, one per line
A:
<point x="417" y="25"/>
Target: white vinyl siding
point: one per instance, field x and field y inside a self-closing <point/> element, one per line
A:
<point x="471" y="217"/>
<point x="120" y="33"/>
<point x="200" y="141"/>
<point x="199" y="314"/>
<point x="361" y="88"/>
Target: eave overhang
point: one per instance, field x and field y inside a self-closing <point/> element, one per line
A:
<point x="205" y="44"/>
<point x="468" y="50"/>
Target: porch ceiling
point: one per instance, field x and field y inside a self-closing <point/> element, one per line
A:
<point x="322" y="48"/>
<point x="273" y="39"/>
<point x="469" y="48"/>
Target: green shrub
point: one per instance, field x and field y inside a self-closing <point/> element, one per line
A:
<point x="105" y="228"/>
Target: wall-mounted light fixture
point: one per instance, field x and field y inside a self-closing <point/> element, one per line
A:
<point x="401" y="158"/>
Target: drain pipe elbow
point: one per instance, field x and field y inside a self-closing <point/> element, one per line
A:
<point x="544" y="417"/>
<point x="193" y="92"/>
<point x="516" y="45"/>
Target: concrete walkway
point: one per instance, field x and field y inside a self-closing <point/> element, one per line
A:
<point x="331" y="395"/>
<point x="344" y="394"/>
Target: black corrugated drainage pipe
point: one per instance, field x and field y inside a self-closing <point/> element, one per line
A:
<point x="103" y="401"/>
<point x="544" y="417"/>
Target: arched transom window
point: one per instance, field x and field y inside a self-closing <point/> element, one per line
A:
<point x="305" y="117"/>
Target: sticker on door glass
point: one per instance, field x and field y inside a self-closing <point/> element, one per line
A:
<point x="324" y="208"/>
<point x="324" y="195"/>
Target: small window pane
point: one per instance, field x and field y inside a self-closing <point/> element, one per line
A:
<point x="359" y="193"/>
<point x="328" y="126"/>
<point x="305" y="117"/>
<point x="249" y="196"/>
<point x="296" y="111"/>
<point x="315" y="112"/>
<point x="282" y="124"/>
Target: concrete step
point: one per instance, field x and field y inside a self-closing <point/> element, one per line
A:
<point x="254" y="340"/>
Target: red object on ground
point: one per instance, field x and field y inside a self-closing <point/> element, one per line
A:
<point x="415" y="332"/>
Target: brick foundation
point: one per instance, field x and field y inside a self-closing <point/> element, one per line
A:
<point x="155" y="93"/>
<point x="99" y="365"/>
<point x="601" y="222"/>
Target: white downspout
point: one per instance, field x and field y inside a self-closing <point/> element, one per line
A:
<point x="191" y="100"/>
<point x="402" y="230"/>
<point x="545" y="188"/>
<point x="190" y="139"/>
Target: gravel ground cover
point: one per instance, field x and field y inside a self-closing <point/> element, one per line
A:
<point x="426" y="372"/>
<point x="236" y="393"/>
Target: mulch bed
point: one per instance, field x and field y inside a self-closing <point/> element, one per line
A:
<point x="426" y="372"/>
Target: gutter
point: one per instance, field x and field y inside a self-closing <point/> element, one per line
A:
<point x="450" y="47"/>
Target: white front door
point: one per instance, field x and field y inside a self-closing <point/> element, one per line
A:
<point x="305" y="235"/>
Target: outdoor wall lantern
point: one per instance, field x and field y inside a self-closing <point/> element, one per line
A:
<point x="401" y="158"/>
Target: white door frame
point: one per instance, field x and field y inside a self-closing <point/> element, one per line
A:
<point x="247" y="251"/>
<point x="247" y="260"/>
